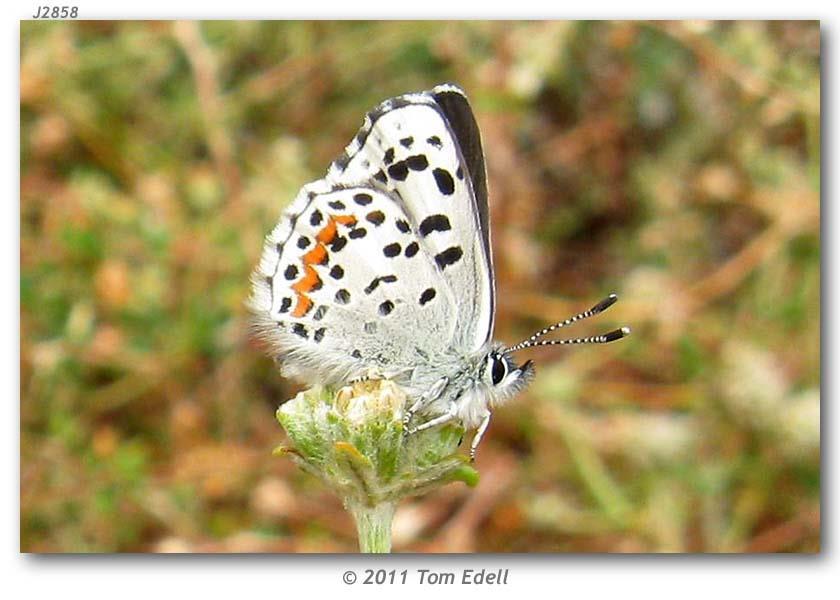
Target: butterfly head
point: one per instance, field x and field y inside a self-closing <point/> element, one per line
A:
<point x="502" y="376"/>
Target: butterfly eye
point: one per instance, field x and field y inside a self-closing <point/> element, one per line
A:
<point x="498" y="370"/>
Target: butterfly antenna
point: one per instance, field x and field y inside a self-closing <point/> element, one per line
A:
<point x="600" y="307"/>
<point x="604" y="338"/>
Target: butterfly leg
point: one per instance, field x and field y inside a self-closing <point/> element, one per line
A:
<point x="441" y="420"/>
<point x="479" y="433"/>
<point x="423" y="401"/>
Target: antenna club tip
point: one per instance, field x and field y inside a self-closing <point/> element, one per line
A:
<point x="603" y="304"/>
<point x="615" y="334"/>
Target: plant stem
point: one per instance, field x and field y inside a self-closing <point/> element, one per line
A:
<point x="374" y="525"/>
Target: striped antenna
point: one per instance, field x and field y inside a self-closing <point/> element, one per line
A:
<point x="604" y="338"/>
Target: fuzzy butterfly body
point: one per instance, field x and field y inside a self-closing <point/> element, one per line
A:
<point x="384" y="266"/>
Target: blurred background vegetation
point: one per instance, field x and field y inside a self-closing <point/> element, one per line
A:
<point x="676" y="163"/>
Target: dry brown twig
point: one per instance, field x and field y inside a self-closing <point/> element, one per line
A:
<point x="205" y="73"/>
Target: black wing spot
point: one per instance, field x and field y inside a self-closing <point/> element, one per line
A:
<point x="407" y="141"/>
<point x="389" y="156"/>
<point x="338" y="243"/>
<point x="377" y="217"/>
<point x="342" y="296"/>
<point x="459" y="173"/>
<point x="362" y="199"/>
<point x="435" y="141"/>
<point x="385" y="308"/>
<point x="418" y="162"/>
<point x="356" y="354"/>
<point x="357" y="233"/>
<point x="303" y="242"/>
<point x="448" y="257"/>
<point x="434" y="223"/>
<point x="374" y="283"/>
<point x="444" y="181"/>
<point x="316" y="218"/>
<point x="285" y="305"/>
<point x="320" y="312"/>
<point x="398" y="171"/>
<point x="337" y="272"/>
<point x="299" y="329"/>
<point x="380" y="176"/>
<point x="392" y="250"/>
<point x="411" y="249"/>
<point x="427" y="296"/>
<point x="341" y="162"/>
<point x="291" y="272"/>
<point x="337" y="205"/>
<point x="403" y="225"/>
<point x="269" y="280"/>
<point x="319" y="334"/>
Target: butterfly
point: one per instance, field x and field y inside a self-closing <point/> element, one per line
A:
<point x="384" y="266"/>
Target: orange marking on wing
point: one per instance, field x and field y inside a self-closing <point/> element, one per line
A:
<point x="328" y="233"/>
<point x="344" y="219"/>
<point x="330" y="230"/>
<point x="316" y="256"/>
<point x="303" y="306"/>
<point x="308" y="282"/>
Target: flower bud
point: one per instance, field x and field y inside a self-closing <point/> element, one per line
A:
<point x="352" y="439"/>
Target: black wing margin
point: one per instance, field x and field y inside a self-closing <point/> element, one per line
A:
<point x="458" y="113"/>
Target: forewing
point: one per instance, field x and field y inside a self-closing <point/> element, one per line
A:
<point x="425" y="150"/>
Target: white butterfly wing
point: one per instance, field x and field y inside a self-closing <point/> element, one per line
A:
<point x="425" y="150"/>
<point x="343" y="286"/>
